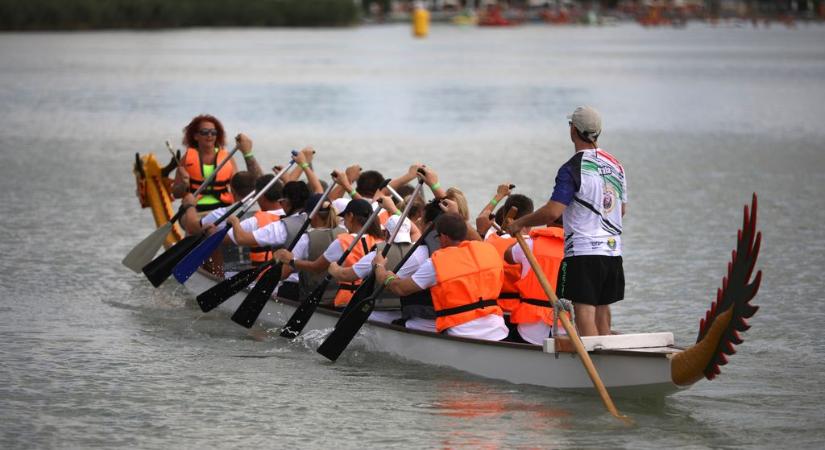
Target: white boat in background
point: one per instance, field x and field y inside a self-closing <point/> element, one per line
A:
<point x="647" y="364"/>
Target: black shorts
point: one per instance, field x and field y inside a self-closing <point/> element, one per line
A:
<point x="591" y="279"/>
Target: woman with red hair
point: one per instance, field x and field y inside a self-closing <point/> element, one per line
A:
<point x="205" y="142"/>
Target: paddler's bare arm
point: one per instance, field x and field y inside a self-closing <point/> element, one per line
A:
<point x="304" y="162"/>
<point x="398" y="286"/>
<point x="190" y="220"/>
<point x="483" y="218"/>
<point x="346" y="274"/>
<point x="181" y="184"/>
<point x="242" y="237"/>
<point x="319" y="265"/>
<point x="245" y="145"/>
<point x="547" y="214"/>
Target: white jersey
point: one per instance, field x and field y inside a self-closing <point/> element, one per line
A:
<point x="592" y="185"/>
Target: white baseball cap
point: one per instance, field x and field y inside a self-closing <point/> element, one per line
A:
<point x="588" y="121"/>
<point x="403" y="233"/>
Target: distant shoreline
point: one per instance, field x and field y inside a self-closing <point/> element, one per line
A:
<point x="79" y="15"/>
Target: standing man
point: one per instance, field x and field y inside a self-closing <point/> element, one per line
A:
<point x="591" y="197"/>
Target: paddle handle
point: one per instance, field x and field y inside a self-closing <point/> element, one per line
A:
<point x="406" y="257"/>
<point x="571" y="331"/>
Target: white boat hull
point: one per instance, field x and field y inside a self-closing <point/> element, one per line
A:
<point x="624" y="372"/>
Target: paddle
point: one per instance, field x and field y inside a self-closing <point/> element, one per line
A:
<point x="214" y="296"/>
<point x="159" y="269"/>
<point x="571" y="331"/>
<point x="303" y="313"/>
<point x="189" y="265"/>
<point x="358" y="310"/>
<point x="143" y="252"/>
<point x="368" y="284"/>
<point x="254" y="303"/>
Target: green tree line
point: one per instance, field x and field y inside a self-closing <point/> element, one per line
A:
<point x="142" y="14"/>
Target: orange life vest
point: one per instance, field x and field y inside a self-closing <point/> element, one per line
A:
<point x="345" y="290"/>
<point x="260" y="255"/>
<point x="468" y="280"/>
<point x="548" y="248"/>
<point x="383" y="216"/>
<point x="218" y="187"/>
<point x="508" y="299"/>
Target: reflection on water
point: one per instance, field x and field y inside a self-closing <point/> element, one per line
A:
<point x="94" y="357"/>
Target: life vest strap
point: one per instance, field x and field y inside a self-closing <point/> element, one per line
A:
<point x="537" y="302"/>
<point x="508" y="295"/>
<point x="348" y="286"/>
<point x="464" y="308"/>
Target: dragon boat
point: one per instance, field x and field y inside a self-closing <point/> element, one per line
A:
<point x="644" y="364"/>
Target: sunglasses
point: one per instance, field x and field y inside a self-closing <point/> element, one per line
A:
<point x="208" y="131"/>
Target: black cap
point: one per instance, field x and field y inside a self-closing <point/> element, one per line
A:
<point x="359" y="207"/>
<point x="312" y="201"/>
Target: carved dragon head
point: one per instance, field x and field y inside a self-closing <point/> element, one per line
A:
<point x="720" y="329"/>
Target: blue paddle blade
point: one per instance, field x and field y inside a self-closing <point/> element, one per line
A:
<point x="196" y="257"/>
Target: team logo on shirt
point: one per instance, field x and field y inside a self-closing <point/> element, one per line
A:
<point x="611" y="243"/>
<point x="608" y="199"/>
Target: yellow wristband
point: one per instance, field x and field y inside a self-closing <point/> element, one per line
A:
<point x="303" y="165"/>
<point x="249" y="155"/>
<point x="389" y="280"/>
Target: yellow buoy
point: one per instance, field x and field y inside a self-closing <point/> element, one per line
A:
<point x="420" y="21"/>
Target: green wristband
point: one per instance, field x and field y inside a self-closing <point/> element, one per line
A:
<point x="249" y="155"/>
<point x="494" y="202"/>
<point x="435" y="186"/>
<point x="303" y="165"/>
<point x="353" y="193"/>
<point x="397" y="213"/>
<point x="389" y="280"/>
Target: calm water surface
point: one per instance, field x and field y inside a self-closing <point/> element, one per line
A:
<point x="93" y="356"/>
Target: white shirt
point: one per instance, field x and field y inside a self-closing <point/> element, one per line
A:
<point x="272" y="235"/>
<point x="490" y="327"/>
<point x="251" y="224"/>
<point x="334" y="251"/>
<point x="363" y="266"/>
<point x="213" y="215"/>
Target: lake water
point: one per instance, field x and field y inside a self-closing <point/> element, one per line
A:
<point x="93" y="356"/>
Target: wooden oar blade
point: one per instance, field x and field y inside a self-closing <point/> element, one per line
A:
<point x="161" y="267"/>
<point x="143" y="253"/>
<point x="254" y="303"/>
<point x="190" y="263"/>
<point x="306" y="309"/>
<point x="346" y="329"/>
<point x="221" y="292"/>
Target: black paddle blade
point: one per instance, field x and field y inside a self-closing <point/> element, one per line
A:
<point x="254" y="303"/>
<point x="161" y="267"/>
<point x="219" y="293"/>
<point x="347" y="328"/>
<point x="301" y="316"/>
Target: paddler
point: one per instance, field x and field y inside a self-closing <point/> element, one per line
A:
<point x="205" y="142"/>
<point x="464" y="278"/>
<point x="355" y="215"/>
<point x="277" y="233"/>
<point x="387" y="311"/>
<point x="590" y="195"/>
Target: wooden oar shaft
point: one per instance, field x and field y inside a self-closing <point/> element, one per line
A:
<point x="571" y="331"/>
